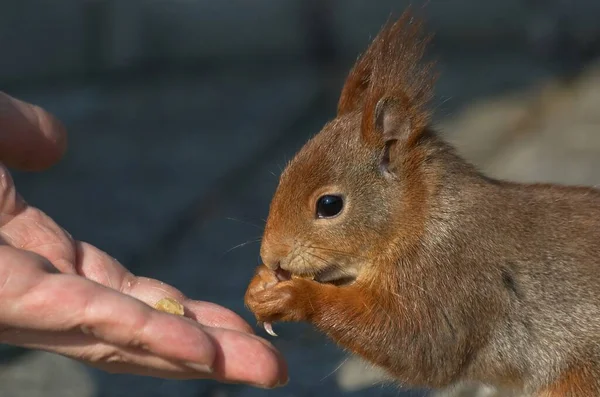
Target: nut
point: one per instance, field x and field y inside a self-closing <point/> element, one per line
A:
<point x="170" y="305"/>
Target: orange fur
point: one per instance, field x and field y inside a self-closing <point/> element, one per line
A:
<point x="452" y="274"/>
<point x="392" y="67"/>
<point x="576" y="382"/>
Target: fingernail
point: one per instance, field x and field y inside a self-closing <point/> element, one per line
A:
<point x="266" y="387"/>
<point x="200" y="367"/>
<point x="280" y="383"/>
<point x="259" y="386"/>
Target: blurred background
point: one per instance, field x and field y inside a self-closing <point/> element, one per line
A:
<point x="181" y="114"/>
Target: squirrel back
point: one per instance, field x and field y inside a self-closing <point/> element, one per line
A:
<point x="405" y="254"/>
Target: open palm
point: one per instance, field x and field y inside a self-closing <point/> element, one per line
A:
<point x="65" y="296"/>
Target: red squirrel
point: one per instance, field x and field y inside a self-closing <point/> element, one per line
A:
<point x="387" y="241"/>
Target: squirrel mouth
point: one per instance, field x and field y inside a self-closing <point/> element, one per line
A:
<point x="333" y="275"/>
<point x="329" y="275"/>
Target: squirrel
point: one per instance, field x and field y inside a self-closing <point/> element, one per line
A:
<point x="385" y="239"/>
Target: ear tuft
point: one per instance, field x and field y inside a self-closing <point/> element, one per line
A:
<point x="357" y="84"/>
<point x="391" y="85"/>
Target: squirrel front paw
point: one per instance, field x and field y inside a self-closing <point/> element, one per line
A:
<point x="273" y="300"/>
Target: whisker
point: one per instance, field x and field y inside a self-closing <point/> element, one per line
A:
<point x="336" y="266"/>
<point x="383" y="271"/>
<point x="334" y="251"/>
<point x="319" y="258"/>
<point x="316" y="257"/>
<point x="311" y="272"/>
<point x="335" y="369"/>
<point x="242" y="245"/>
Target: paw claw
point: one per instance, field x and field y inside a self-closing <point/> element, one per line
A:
<point x="268" y="326"/>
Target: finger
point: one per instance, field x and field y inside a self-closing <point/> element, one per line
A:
<point x="236" y="356"/>
<point x="244" y="358"/>
<point x="163" y="370"/>
<point x="115" y="359"/>
<point x="31" y="229"/>
<point x="96" y="265"/>
<point x="31" y="139"/>
<point x="125" y="321"/>
<point x="240" y="359"/>
<point x="34" y="300"/>
<point x="213" y="315"/>
<point x="100" y="267"/>
<point x="206" y="313"/>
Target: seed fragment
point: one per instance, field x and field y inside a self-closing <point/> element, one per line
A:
<point x="170" y="305"/>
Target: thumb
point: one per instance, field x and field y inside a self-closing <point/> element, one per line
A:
<point x="31" y="139"/>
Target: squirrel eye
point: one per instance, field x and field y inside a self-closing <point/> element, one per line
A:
<point x="329" y="206"/>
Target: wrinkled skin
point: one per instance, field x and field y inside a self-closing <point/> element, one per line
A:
<point x="68" y="297"/>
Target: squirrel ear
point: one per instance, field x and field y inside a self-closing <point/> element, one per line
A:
<point x="390" y="121"/>
<point x="397" y="128"/>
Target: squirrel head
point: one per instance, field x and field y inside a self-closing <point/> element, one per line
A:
<point x="355" y="193"/>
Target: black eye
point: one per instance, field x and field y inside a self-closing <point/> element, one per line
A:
<point x="329" y="206"/>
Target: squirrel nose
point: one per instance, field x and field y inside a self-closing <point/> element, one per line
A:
<point x="273" y="254"/>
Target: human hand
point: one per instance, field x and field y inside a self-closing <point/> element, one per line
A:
<point x="68" y="297"/>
